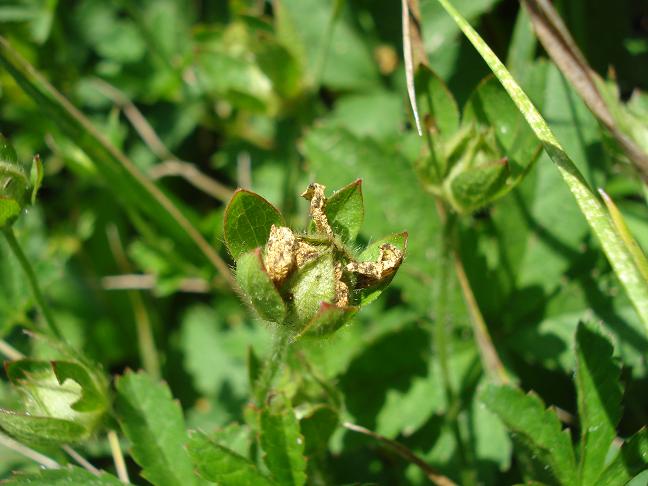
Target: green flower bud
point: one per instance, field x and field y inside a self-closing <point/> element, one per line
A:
<point x="16" y="189"/>
<point x="64" y="401"/>
<point x="309" y="283"/>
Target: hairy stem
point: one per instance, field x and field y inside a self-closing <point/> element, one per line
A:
<point x="272" y="366"/>
<point x="33" y="281"/>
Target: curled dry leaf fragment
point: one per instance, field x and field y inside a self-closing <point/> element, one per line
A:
<point x="388" y="262"/>
<point x="315" y="194"/>
<point x="279" y="255"/>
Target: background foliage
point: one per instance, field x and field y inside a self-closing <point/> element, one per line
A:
<point x="270" y="96"/>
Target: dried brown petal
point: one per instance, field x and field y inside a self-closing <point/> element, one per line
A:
<point x="279" y="255"/>
<point x="315" y="194"/>
<point x="389" y="260"/>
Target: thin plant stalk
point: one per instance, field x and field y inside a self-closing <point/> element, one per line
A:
<point x="145" y="339"/>
<point x="118" y="457"/>
<point x="28" y="452"/>
<point x="273" y="365"/>
<point x="32" y="280"/>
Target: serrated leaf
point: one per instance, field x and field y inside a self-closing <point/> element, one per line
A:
<point x="345" y="211"/>
<point x="218" y="464"/>
<point x="248" y="219"/>
<point x="69" y="476"/>
<point x="259" y="288"/>
<point x="282" y="442"/>
<point x="535" y="430"/>
<point x="435" y="101"/>
<point x="153" y="423"/>
<point x="371" y="253"/>
<point x="599" y="399"/>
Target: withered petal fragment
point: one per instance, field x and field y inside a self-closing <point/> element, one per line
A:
<point x="315" y="194"/>
<point x="279" y="254"/>
<point x="388" y="262"/>
<point x="341" y="289"/>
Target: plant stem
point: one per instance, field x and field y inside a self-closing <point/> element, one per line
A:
<point x="272" y="366"/>
<point x="118" y="457"/>
<point x="16" y="446"/>
<point x="31" y="278"/>
<point x="82" y="461"/>
<point x="145" y="340"/>
<point x="405" y="453"/>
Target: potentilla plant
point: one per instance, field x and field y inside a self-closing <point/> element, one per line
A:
<point x="307" y="283"/>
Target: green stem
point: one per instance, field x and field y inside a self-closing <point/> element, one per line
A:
<point x="31" y="278"/>
<point x="272" y="366"/>
<point x="441" y="338"/>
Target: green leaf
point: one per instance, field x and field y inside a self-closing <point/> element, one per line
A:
<point x="317" y="426"/>
<point x="474" y="188"/>
<point x="68" y="476"/>
<point x="371" y="253"/>
<point x="282" y="443"/>
<point x="9" y="210"/>
<point x="435" y="101"/>
<point x="248" y="218"/>
<point x="631" y="460"/>
<point x="536" y="431"/>
<point x="259" y="288"/>
<point x="154" y="425"/>
<point x="592" y="208"/>
<point x="328" y="319"/>
<point x="345" y="211"/>
<point x="490" y="106"/>
<point x="310" y="286"/>
<point x="41" y="430"/>
<point x="220" y="465"/>
<point x="599" y="399"/>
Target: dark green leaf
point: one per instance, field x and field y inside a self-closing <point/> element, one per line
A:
<point x="259" y="288"/>
<point x="345" y="211"/>
<point x="248" y="219"/>
<point x="317" y="427"/>
<point x="371" y="253"/>
<point x="328" y="319"/>
<point x="153" y="423"/>
<point x="632" y="459"/>
<point x="599" y="399"/>
<point x="435" y="101"/>
<point x="218" y="464"/>
<point x="69" y="476"/>
<point x="536" y="431"/>
<point x="282" y="442"/>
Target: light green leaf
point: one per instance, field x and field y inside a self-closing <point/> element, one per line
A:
<point x="599" y="399"/>
<point x="259" y="288"/>
<point x="248" y="219"/>
<point x="153" y="423"/>
<point x="69" y="476"/>
<point x="220" y="465"/>
<point x="537" y="433"/>
<point x="345" y="211"/>
<point x="310" y="286"/>
<point x="40" y="430"/>
<point x="282" y="443"/>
